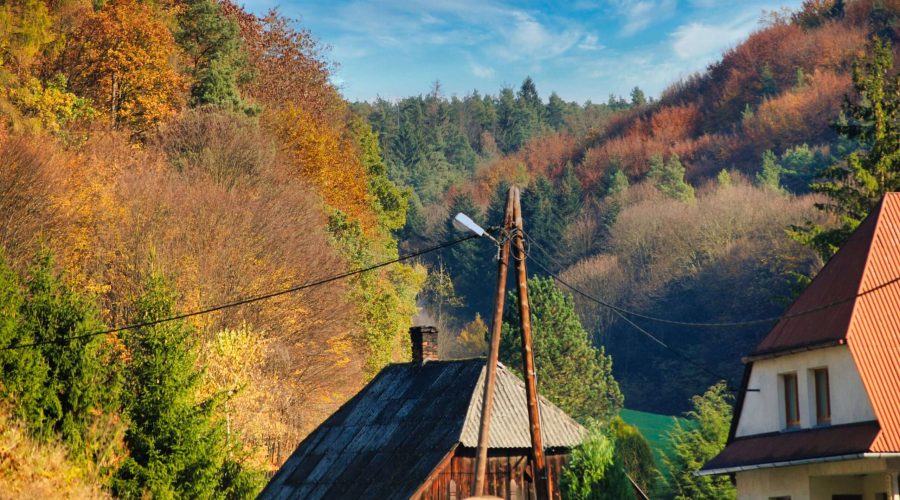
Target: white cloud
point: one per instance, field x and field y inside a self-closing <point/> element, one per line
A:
<point x="485" y="72"/>
<point x="703" y="40"/>
<point x="640" y="14"/>
<point x="590" y="42"/>
<point x="525" y="38"/>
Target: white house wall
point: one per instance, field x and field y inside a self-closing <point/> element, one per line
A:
<point x="866" y="477"/>
<point x="763" y="411"/>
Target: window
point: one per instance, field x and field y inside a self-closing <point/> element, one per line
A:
<point x="823" y="399"/>
<point x="791" y="405"/>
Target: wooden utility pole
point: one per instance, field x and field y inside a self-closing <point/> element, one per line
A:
<point x="539" y="467"/>
<point x="490" y="376"/>
<point x="543" y="485"/>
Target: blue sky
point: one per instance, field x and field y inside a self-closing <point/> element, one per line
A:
<point x="580" y="49"/>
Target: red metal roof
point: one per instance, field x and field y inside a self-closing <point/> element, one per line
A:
<point x="874" y="333"/>
<point x="780" y="447"/>
<point x="867" y="271"/>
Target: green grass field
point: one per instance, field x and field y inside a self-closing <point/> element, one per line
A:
<point x="654" y="427"/>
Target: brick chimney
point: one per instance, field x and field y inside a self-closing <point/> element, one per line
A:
<point x="424" y="344"/>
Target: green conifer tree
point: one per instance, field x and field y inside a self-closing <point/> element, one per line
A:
<point x="724" y="178"/>
<point x="696" y="443"/>
<point x="669" y="178"/>
<point x="177" y="450"/>
<point x="571" y="372"/>
<point x="769" y="176"/>
<point x="216" y="62"/>
<point x="637" y="97"/>
<point x="854" y="186"/>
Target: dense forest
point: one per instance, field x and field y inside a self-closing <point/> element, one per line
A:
<point x="678" y="207"/>
<point x="166" y="156"/>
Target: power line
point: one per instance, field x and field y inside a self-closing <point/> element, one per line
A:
<point x="731" y="324"/>
<point x="644" y="332"/>
<point x="247" y="300"/>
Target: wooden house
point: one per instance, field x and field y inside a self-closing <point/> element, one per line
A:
<point x="412" y="433"/>
<point x="818" y="414"/>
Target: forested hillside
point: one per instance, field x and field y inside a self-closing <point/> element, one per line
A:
<point x="679" y="207"/>
<point x="168" y="156"/>
<point x="163" y="157"/>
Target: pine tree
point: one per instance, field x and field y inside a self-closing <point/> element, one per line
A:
<point x="177" y="450"/>
<point x="696" y="443"/>
<point x="213" y="46"/>
<point x="637" y="97"/>
<point x="854" y="186"/>
<point x="669" y="178"/>
<point x="769" y="176"/>
<point x="572" y="373"/>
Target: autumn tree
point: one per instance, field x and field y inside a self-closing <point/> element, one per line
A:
<point x="121" y="57"/>
<point x="872" y="121"/>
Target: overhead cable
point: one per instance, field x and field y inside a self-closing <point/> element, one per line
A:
<point x="246" y="300"/>
<point x="728" y="324"/>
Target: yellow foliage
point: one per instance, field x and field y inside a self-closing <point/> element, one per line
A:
<point x="472" y="339"/>
<point x="25" y="28"/>
<point x="325" y="155"/>
<point x="52" y="105"/>
<point x="29" y="469"/>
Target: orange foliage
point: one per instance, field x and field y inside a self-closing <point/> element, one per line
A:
<point x="289" y="65"/>
<point x="674" y="123"/>
<point x="548" y="154"/>
<point x="801" y="116"/>
<point x="121" y="57"/>
<point x="324" y="155"/>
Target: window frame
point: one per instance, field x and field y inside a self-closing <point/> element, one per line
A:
<point x="820" y="418"/>
<point x="788" y="388"/>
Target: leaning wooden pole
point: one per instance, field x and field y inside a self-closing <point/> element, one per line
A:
<point x="542" y="481"/>
<point x="490" y="375"/>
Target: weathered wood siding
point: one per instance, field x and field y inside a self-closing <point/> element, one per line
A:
<point x="508" y="475"/>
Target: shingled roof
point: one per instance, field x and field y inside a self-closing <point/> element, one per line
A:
<point x="387" y="439"/>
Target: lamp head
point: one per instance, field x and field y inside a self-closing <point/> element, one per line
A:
<point x="465" y="223"/>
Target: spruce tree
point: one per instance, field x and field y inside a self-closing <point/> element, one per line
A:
<point x="572" y="373"/>
<point x="669" y="178"/>
<point x="854" y="186"/>
<point x="469" y="262"/>
<point x="63" y="386"/>
<point x="769" y="176"/>
<point x="212" y="43"/>
<point x="177" y="450"/>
